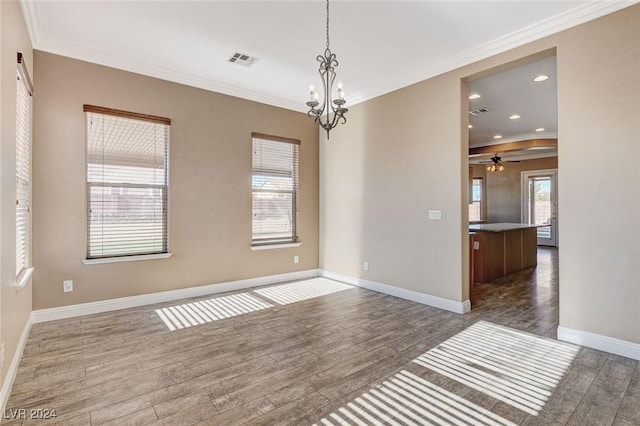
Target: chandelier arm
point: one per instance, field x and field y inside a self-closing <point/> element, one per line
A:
<point x="324" y="86"/>
<point x="338" y="114"/>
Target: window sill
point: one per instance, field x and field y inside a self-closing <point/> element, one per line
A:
<point x="126" y="258"/>
<point x="275" y="246"/>
<point x="23" y="278"/>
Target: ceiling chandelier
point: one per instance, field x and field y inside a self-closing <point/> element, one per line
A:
<point x="333" y="108"/>
<point x="497" y="165"/>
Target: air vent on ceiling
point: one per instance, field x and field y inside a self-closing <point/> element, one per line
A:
<point x="242" y="59"/>
<point x="479" y="111"/>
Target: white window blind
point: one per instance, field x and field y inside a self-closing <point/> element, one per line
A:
<point x="274" y="190"/>
<point x="23" y="168"/>
<point x="127" y="183"/>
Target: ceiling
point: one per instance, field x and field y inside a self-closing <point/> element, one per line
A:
<point x="505" y="95"/>
<point x="380" y="45"/>
<point x="514" y="93"/>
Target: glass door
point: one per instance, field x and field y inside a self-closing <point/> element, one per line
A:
<point x="539" y="204"/>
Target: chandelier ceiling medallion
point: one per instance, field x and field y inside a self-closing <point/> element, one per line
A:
<point x="334" y="109"/>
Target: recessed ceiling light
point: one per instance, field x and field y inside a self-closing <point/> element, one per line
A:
<point x="470" y="126"/>
<point x="497" y="137"/>
<point x="514" y="117"/>
<point x="540" y="129"/>
<point x="474" y="96"/>
<point x="540" y="78"/>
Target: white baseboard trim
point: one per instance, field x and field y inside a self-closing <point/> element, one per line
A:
<point x="62" y="312"/>
<point x="600" y="342"/>
<point x="414" y="296"/>
<point x="5" y="391"/>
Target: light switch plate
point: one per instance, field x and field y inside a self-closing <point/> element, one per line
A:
<point x="435" y="214"/>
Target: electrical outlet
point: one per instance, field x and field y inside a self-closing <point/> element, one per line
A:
<point x="296" y="259"/>
<point x="67" y="286"/>
<point x="476" y="245"/>
<point x="365" y="266"/>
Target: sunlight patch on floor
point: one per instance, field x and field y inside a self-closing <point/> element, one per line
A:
<point x="512" y="366"/>
<point x="205" y="311"/>
<point x="406" y="399"/>
<point x="301" y="290"/>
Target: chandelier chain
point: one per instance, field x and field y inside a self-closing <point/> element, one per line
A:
<point x="327" y="24"/>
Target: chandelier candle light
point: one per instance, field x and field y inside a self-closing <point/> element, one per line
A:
<point x="327" y="72"/>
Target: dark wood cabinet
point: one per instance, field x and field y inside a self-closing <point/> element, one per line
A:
<point x="500" y="253"/>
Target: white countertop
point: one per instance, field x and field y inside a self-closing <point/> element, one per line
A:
<point x="500" y="227"/>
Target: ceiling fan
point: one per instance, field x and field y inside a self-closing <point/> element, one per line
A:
<point x="496" y="164"/>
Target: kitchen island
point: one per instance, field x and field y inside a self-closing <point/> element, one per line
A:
<point x="503" y="248"/>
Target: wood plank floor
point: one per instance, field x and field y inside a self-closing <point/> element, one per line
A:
<point x="345" y="356"/>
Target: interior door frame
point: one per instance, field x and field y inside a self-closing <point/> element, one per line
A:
<point x="524" y="189"/>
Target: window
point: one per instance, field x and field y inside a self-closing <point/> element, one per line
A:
<point x="274" y="190"/>
<point x="475" y="208"/>
<point x="127" y="183"/>
<point x="24" y="90"/>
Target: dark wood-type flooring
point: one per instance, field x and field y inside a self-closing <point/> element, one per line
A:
<point x="298" y="363"/>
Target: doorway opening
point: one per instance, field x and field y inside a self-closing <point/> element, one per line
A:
<point x="539" y="204"/>
<point x="513" y="172"/>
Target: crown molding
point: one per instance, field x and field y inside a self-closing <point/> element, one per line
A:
<point x="39" y="42"/>
<point x="568" y="19"/>
<point x="571" y="18"/>
<point x="152" y="70"/>
<point x="32" y="21"/>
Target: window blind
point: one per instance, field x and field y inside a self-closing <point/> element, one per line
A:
<point x="475" y="208"/>
<point x="127" y="183"/>
<point x="23" y="167"/>
<point x="274" y="189"/>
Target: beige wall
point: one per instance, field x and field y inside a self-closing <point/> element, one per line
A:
<point x="380" y="175"/>
<point x="503" y="199"/>
<point x="15" y="305"/>
<point x="210" y="184"/>
<point x="405" y="153"/>
<point x="599" y="165"/>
